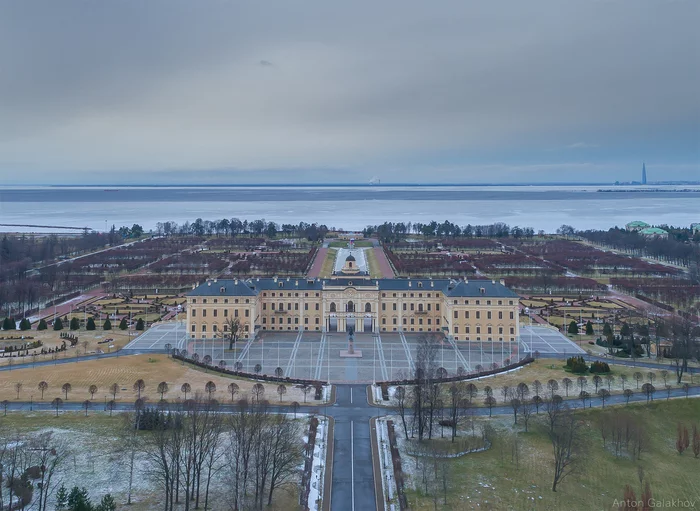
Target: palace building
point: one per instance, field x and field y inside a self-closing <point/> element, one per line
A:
<point x="474" y="310"/>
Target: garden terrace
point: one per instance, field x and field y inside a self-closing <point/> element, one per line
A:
<point x="675" y="249"/>
<point x="545" y="284"/>
<point x="433" y="264"/>
<point x="147" y="283"/>
<point x="272" y="263"/>
<point x="590" y="261"/>
<point x="196" y="263"/>
<point x="672" y="291"/>
<point x="513" y="264"/>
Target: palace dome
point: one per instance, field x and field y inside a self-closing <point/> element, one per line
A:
<point x="350" y="258"/>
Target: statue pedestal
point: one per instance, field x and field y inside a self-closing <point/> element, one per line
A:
<point x="350" y="354"/>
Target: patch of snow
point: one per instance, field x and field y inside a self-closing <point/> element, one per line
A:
<point x="318" y="466"/>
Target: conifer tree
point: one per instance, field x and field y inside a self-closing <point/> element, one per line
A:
<point x="90" y="324"/>
<point x="42" y="325"/>
<point x="58" y="324"/>
<point x="74" y="323"/>
<point x="107" y="325"/>
<point x="123" y="325"/>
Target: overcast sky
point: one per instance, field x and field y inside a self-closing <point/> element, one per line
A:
<point x="135" y="91"/>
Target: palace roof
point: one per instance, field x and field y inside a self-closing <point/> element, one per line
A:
<point x="449" y="287"/>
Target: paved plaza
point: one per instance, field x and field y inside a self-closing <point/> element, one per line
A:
<point x="316" y="355"/>
<point x="548" y="341"/>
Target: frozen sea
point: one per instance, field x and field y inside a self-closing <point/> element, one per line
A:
<point x="346" y="207"/>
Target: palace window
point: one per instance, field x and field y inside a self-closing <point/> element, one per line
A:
<point x="316" y="306"/>
<point x="437" y="307"/>
<point x="246" y="313"/>
<point x="204" y="313"/>
<point x="194" y="300"/>
<point x="420" y="307"/>
<point x="393" y="321"/>
<point x="225" y="300"/>
<point x="383" y="306"/>
<point x="412" y="306"/>
<point x="296" y="306"/>
<point x="306" y="306"/>
<point x="456" y="329"/>
<point x="204" y="328"/>
<point x="272" y="320"/>
<point x="500" y="330"/>
<point x="511" y="314"/>
<point x="368" y="307"/>
<point x="333" y="309"/>
<point x="216" y="312"/>
<point x="478" y="314"/>
<point x="204" y="300"/>
<point x="488" y="330"/>
<point x="383" y="321"/>
<point x="467" y="328"/>
<point x="226" y="313"/>
<point x="394" y="306"/>
<point x="478" y="330"/>
<point x="488" y="315"/>
<point x="466" y="314"/>
<point x="214" y="328"/>
<point x="500" y="314"/>
<point x="512" y="330"/>
<point x="456" y="315"/>
<point x="194" y="327"/>
<point x="194" y="313"/>
<point x="216" y="301"/>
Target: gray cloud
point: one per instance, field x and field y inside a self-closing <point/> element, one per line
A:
<point x="391" y="87"/>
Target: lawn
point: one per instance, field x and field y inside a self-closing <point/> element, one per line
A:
<point x="373" y="264"/>
<point x="344" y="244"/>
<point x="496" y="479"/>
<point x="604" y="305"/>
<point x="124" y="371"/>
<point x="327" y="267"/>
<point x="544" y="370"/>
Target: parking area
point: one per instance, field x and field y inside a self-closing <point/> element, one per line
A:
<point x="548" y="341"/>
<point x="156" y="337"/>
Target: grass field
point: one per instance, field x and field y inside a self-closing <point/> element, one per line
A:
<point x="124" y="371"/>
<point x="494" y="480"/>
<point x="327" y="267"/>
<point x="51" y="339"/>
<point x="373" y="264"/>
<point x="544" y="370"/>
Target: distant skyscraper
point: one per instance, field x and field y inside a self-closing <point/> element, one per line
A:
<point x="644" y="173"/>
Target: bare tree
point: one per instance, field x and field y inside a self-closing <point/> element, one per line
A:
<point x="86" y="406"/>
<point x="567" y="385"/>
<point x="565" y="445"/>
<point x="57" y="403"/>
<point x="186" y="388"/>
<point x="210" y="388"/>
<point x="281" y="390"/>
<point x="233" y="390"/>
<point x="114" y="389"/>
<point x="628" y="394"/>
<point x="279" y="372"/>
<point x="92" y="390"/>
<point x="638" y="378"/>
<point x="490" y="401"/>
<point x="111" y="405"/>
<point x="18" y="388"/>
<point x="648" y="389"/>
<point x="623" y="380"/>
<point x="139" y="386"/>
<point x="552" y="386"/>
<point x="162" y="389"/>
<point x="305" y="389"/>
<point x="42" y="387"/>
<point x="66" y="388"/>
<point x="609" y="380"/>
<point x="597" y="381"/>
<point x="258" y="391"/>
<point x="526" y="411"/>
<point x="49" y="453"/>
<point x="603" y="394"/>
<point x="232" y="331"/>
